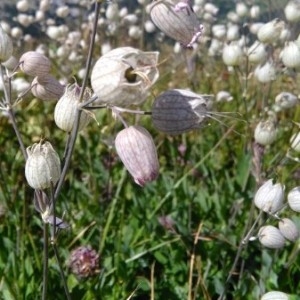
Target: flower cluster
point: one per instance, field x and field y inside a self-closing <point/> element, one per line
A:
<point x="270" y="199"/>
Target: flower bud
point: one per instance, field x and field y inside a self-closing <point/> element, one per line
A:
<point x="271" y="237"/>
<point x="270" y="32"/>
<point x="269" y="197"/>
<point x="65" y="109"/>
<point x="295" y="142"/>
<point x="291" y="55"/>
<point x="34" y="63"/>
<point x="178" y="111"/>
<point x="42" y="167"/>
<point x="123" y="76"/>
<point x="177" y="21"/>
<point x="288" y="229"/>
<point x="293" y="198"/>
<point x="46" y="88"/>
<point x="137" y="151"/>
<point x="6" y="46"/>
<point x="232" y="54"/>
<point x="292" y="11"/>
<point x="275" y="295"/>
<point x="265" y="132"/>
<point x="265" y="73"/>
<point x="84" y="262"/>
<point x="286" y="100"/>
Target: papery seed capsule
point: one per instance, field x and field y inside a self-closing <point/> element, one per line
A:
<point x="47" y="88"/>
<point x="271" y="237"/>
<point x="255" y="12"/>
<point x="22" y="5"/>
<point x="265" y="132"/>
<point x="269" y="197"/>
<point x="292" y="11"/>
<point x="34" y="63"/>
<point x="177" y="21"/>
<point x="295" y="142"/>
<point x="286" y="100"/>
<point x="270" y="32"/>
<point x="137" y="151"/>
<point x="288" y="229"/>
<point x="291" y="55"/>
<point x="275" y="295"/>
<point x="42" y="167"/>
<point x="232" y="54"/>
<point x="123" y="76"/>
<point x="266" y="72"/>
<point x="241" y="9"/>
<point x="65" y="109"/>
<point x="178" y="111"/>
<point x="293" y="198"/>
<point x="6" y="46"/>
<point x="257" y="53"/>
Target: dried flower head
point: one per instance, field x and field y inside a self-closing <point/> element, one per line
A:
<point x="177" y="111"/>
<point x="177" y="20"/>
<point x="123" y="76"/>
<point x="84" y="262"/>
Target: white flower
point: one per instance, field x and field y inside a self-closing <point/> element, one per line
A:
<point x="269" y="197"/>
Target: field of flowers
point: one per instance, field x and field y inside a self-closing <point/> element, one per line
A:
<point x="149" y="149"/>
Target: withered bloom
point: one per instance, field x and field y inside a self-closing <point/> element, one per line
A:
<point x="84" y="262"/>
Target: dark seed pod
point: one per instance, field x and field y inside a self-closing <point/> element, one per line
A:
<point x="178" y="111"/>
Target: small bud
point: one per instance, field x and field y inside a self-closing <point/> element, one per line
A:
<point x="292" y="11"/>
<point x="137" y="151"/>
<point x="269" y="197"/>
<point x="291" y="55"/>
<point x="46" y="88"/>
<point x="65" y="109"/>
<point x="178" y="111"/>
<point x="177" y="21"/>
<point x="34" y="63"/>
<point x="293" y="198"/>
<point x="265" y="132"/>
<point x="123" y="76"/>
<point x="6" y="46"/>
<point x="42" y="167"/>
<point x="84" y="262"/>
<point x="270" y="32"/>
<point x="232" y="54"/>
<point x="271" y="237"/>
<point x="266" y="72"/>
<point x="295" y="142"/>
<point x="275" y="295"/>
<point x="288" y="229"/>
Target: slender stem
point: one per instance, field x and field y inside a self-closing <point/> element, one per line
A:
<point x="45" y="262"/>
<point x="74" y="132"/>
<point x="61" y="271"/>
